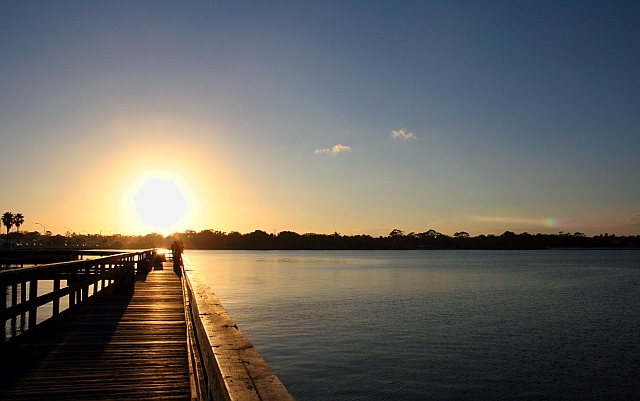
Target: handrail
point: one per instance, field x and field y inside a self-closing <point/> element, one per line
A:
<point x="223" y="363"/>
<point x="82" y="279"/>
<point x="22" y="256"/>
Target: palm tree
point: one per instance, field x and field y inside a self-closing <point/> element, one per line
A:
<point x="18" y="219"/>
<point x="7" y="220"/>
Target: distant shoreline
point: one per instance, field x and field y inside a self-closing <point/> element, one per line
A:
<point x="288" y="240"/>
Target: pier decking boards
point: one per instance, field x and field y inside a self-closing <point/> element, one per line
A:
<point x="131" y="347"/>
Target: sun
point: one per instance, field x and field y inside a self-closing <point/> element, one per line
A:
<point x="160" y="203"/>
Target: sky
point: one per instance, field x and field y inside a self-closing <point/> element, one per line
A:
<point x="348" y="117"/>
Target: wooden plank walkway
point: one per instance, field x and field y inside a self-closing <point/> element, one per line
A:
<point x="119" y="347"/>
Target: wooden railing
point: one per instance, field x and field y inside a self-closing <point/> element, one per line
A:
<point x="62" y="286"/>
<point x="15" y="258"/>
<point x="223" y="364"/>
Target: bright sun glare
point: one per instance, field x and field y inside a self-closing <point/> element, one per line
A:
<point x="160" y="203"/>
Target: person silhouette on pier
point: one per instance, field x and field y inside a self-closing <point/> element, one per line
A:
<point x="176" y="249"/>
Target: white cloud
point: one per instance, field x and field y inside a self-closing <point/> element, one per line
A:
<point x="334" y="150"/>
<point x="402" y="134"/>
<point x="340" y="148"/>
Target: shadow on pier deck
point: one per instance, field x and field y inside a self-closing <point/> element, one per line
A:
<point x="116" y="327"/>
<point x="123" y="346"/>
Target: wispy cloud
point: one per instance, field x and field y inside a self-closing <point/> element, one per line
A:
<point x="522" y="221"/>
<point x="402" y="134"/>
<point x="333" y="150"/>
<point x="633" y="220"/>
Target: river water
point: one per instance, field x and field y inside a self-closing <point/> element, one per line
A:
<point x="438" y="325"/>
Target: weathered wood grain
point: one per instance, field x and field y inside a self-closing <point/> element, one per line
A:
<point x="233" y="368"/>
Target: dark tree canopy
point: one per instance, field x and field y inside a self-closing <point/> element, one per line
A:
<point x="397" y="239"/>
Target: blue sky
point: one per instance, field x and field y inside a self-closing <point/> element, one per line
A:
<point x="524" y="116"/>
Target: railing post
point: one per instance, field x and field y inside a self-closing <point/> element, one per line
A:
<point x="101" y="273"/>
<point x="3" y="306"/>
<point x="14" y="294"/>
<point x="72" y="294"/>
<point x="56" y="302"/>
<point x="14" y="301"/>
<point x="23" y="299"/>
<point x="33" y="311"/>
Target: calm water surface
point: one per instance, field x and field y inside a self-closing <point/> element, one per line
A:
<point x="443" y="325"/>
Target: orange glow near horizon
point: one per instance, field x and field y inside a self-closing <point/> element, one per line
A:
<point x="109" y="195"/>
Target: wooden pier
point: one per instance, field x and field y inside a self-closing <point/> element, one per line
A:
<point x="164" y="337"/>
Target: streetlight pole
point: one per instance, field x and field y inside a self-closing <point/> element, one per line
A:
<point x="44" y="231"/>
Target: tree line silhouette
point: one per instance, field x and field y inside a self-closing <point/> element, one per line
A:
<point x="397" y="239"/>
<point x="289" y="240"/>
